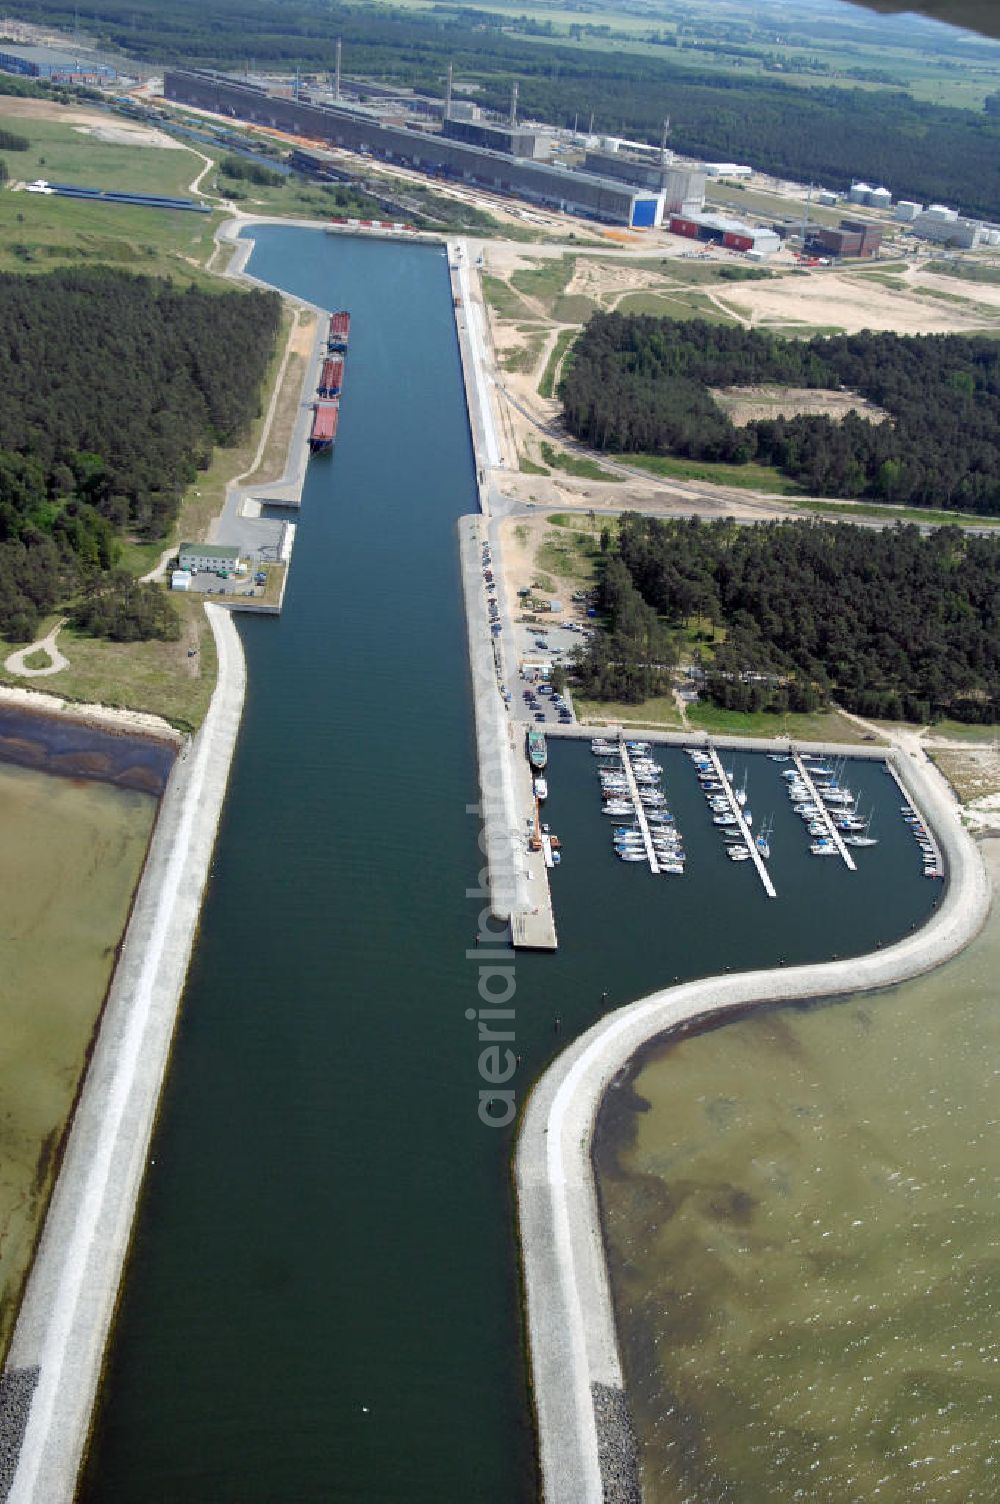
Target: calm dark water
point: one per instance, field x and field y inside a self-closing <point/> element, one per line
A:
<point x="328" y="1226"/>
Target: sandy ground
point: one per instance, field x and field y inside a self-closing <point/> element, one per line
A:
<point x="47" y="109"/>
<point x="98" y="715"/>
<point x="851" y="305"/>
<point x="747" y="404"/>
<point x="988" y="294"/>
<point x="130" y="135"/>
<point x="974" y="774"/>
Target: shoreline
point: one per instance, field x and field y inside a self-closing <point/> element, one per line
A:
<point x="587" y="1448"/>
<point x="110" y="718"/>
<point x="50" y="1382"/>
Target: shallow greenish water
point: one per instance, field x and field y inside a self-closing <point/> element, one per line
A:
<point x="801" y="1211"/>
<point x="71" y="852"/>
<point x="322" y="1298"/>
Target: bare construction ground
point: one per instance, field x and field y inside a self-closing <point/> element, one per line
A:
<point x="748" y="404"/>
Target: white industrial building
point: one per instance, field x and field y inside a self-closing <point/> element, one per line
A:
<point x="192" y="557"/>
<point x="947" y="227"/>
<point x="727" y="169"/>
<point x="907" y="211"/>
<point x="864" y="193"/>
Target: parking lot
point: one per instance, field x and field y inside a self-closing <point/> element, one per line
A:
<point x="539" y="648"/>
<point x="206" y="582"/>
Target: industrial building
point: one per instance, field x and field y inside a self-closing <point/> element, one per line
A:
<point x="193" y="557"/>
<point x="683" y="188"/>
<point x="947" y="227"/>
<point x="855" y="237"/>
<point x="513" y="141"/>
<point x="907" y="211"/>
<point x="875" y="198"/>
<point x="57" y="67"/>
<point x="732" y="233"/>
<point x="356" y="130"/>
<point x="727" y="169"/>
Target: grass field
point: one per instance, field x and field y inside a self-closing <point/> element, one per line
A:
<point x="569" y="555"/>
<point x="63" y="152"/>
<point x="966" y="271"/>
<point x="547" y="384"/>
<point x="661" y="712"/>
<point x="545" y="280"/>
<point x="503" y="300"/>
<point x="742" y="477"/>
<point x="583" y="468"/>
<point x="822" y="725"/>
<point x="157" y="677"/>
<point x="924" y="515"/>
<point x="675" y="305"/>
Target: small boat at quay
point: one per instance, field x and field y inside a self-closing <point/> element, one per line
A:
<point x="537" y="752"/>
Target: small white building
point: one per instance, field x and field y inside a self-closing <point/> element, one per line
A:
<point x="180" y="580"/>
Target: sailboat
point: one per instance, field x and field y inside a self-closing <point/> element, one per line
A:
<point x="865" y="838"/>
<point x="764" y="836"/>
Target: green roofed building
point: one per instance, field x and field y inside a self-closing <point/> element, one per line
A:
<point x="213" y="556"/>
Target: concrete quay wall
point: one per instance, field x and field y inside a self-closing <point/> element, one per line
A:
<point x="497" y="792"/>
<point x="50" y="1382"/>
<point x="587" y="1447"/>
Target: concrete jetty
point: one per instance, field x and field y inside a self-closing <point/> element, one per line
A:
<point x="824" y="815"/>
<point x="741" y="821"/>
<point x="637" y="805"/>
<point x="587" y="1447"/>
<point x="51" y="1377"/>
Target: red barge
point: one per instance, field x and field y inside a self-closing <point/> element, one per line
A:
<point x="339" y="333"/>
<point x="331" y="381"/>
<point x="323" y="435"/>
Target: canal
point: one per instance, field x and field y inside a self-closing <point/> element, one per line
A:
<point x="322" y="1299"/>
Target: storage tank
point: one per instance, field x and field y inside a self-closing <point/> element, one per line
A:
<point x="880" y="198"/>
<point x="860" y="193"/>
<point x="907" y="211"/>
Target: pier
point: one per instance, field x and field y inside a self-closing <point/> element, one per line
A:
<point x="737" y="809"/>
<point x="824" y="814"/>
<point x="640" y="813"/>
<point x="938" y="869"/>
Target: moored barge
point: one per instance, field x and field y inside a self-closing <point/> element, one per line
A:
<point x="323" y="434"/>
